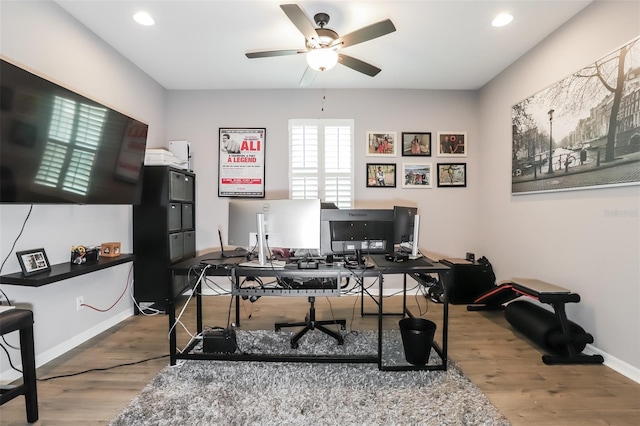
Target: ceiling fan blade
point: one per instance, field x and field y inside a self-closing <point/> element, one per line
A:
<point x="358" y="65"/>
<point x="270" y="53"/>
<point x="300" y="20"/>
<point x="308" y="77"/>
<point x="366" y="33"/>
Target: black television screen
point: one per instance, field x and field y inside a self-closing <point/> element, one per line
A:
<point x="57" y="146"/>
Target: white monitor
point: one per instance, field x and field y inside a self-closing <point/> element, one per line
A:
<point x="293" y="224"/>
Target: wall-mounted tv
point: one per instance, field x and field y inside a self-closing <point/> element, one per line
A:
<point x="59" y="147"/>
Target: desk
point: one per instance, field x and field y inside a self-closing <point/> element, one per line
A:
<point x="217" y="266"/>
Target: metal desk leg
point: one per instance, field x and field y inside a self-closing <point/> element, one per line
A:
<point x="380" y="322"/>
<point x="171" y="310"/>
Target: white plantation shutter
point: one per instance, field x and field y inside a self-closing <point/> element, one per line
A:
<point x="74" y="135"/>
<point x="321" y="160"/>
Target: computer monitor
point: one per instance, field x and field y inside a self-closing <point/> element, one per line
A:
<point x="293" y="224"/>
<point x="406" y="226"/>
<point x="345" y="231"/>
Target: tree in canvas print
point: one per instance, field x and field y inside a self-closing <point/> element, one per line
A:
<point x="583" y="131"/>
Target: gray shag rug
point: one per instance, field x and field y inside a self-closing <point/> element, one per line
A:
<point x="275" y="393"/>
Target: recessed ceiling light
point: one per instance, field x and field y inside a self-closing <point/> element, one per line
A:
<point x="502" y="19"/>
<point x="143" y="18"/>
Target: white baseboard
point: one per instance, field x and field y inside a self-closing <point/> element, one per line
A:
<point x="615" y="364"/>
<point x="11" y="375"/>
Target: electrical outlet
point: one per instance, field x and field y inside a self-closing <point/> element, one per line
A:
<point x="79" y="302"/>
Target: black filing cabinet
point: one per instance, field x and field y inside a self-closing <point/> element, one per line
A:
<point x="467" y="280"/>
<point x="163" y="232"/>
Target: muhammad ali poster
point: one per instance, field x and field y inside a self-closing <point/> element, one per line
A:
<point x="241" y="162"/>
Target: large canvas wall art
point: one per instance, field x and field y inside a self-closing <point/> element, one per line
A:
<point x="583" y="132"/>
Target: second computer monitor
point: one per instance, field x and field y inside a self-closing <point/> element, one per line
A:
<point x="291" y="224"/>
<point x="404" y="230"/>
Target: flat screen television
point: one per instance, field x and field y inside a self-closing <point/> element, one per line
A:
<point x="345" y="231"/>
<point x="59" y="147"/>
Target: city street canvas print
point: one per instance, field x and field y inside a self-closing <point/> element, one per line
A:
<point x="582" y="132"/>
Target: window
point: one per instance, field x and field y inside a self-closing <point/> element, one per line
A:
<point x="74" y="135"/>
<point x="321" y="161"/>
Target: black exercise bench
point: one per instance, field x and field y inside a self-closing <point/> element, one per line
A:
<point x="551" y="330"/>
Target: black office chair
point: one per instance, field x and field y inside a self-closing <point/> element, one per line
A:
<point x="310" y="323"/>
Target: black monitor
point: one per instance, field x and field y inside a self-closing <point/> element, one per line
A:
<point x="404" y="231"/>
<point x="346" y="231"/>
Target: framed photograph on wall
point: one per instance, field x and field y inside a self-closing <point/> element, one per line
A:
<point x="416" y="175"/>
<point x="33" y="261"/>
<point x="381" y="175"/>
<point x="416" y="144"/>
<point x="452" y="144"/>
<point x="452" y="174"/>
<point x="241" y="162"/>
<point x="382" y="144"/>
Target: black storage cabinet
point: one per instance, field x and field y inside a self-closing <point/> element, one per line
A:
<point x="467" y="281"/>
<point x="163" y="232"/>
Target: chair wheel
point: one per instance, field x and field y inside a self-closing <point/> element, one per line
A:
<point x="294" y="345"/>
<point x="343" y="326"/>
<point x="341" y="342"/>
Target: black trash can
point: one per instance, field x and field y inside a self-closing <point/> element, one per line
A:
<point x="417" y="339"/>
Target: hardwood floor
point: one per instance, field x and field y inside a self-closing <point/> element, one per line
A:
<point x="505" y="366"/>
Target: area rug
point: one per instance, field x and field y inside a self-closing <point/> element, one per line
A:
<point x="275" y="393"/>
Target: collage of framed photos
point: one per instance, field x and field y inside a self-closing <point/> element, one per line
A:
<point x="417" y="171"/>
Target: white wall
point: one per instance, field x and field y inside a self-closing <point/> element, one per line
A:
<point x="566" y="237"/>
<point x="447" y="224"/>
<point x="43" y="38"/>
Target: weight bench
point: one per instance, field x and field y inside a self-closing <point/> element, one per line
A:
<point x="552" y="331"/>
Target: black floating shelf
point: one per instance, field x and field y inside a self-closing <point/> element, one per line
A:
<point x="63" y="271"/>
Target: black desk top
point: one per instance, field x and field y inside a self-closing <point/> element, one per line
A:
<point x="223" y="266"/>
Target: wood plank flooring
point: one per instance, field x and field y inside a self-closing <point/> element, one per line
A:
<point x="503" y="364"/>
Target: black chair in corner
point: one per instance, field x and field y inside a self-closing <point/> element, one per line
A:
<point x="310" y="323"/>
<point x="21" y="320"/>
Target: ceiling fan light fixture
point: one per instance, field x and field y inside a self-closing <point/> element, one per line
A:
<point x="322" y="59"/>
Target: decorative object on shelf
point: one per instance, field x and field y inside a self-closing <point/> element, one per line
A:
<point x="452" y="174"/>
<point x="382" y="144"/>
<point x="417" y="175"/>
<point x="586" y="124"/>
<point x="416" y="144"/>
<point x="110" y="249"/>
<point x="452" y="144"/>
<point x="241" y="163"/>
<point x="33" y="261"/>
<point x="83" y="254"/>
<point x="381" y="175"/>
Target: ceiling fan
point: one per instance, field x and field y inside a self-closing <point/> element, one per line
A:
<point x="322" y="45"/>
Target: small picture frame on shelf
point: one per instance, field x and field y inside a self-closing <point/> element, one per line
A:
<point x="381" y="175"/>
<point x="33" y="261"/>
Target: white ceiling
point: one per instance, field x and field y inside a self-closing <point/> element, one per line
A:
<point x="445" y="44"/>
